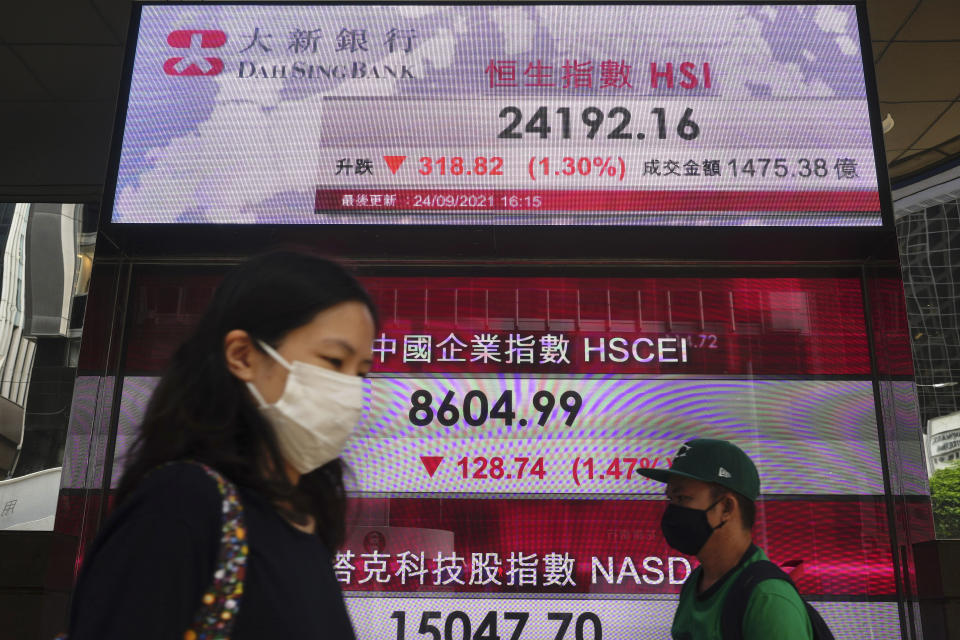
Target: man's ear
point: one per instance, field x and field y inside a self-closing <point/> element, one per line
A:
<point x="240" y="354"/>
<point x="730" y="504"/>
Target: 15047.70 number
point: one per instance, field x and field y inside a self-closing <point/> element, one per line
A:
<point x="457" y="626"/>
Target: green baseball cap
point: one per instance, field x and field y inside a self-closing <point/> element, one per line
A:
<point x="716" y="461"/>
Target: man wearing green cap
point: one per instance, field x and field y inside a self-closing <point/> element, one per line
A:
<point x="712" y="487"/>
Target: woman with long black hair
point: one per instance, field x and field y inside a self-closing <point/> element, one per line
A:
<point x="232" y="505"/>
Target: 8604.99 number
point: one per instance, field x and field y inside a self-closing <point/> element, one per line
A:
<point x="476" y="410"/>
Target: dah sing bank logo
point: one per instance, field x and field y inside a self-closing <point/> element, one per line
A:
<point x="193" y="62"/>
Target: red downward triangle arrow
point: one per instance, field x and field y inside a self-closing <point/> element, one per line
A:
<point x="431" y="463"/>
<point x="394" y="162"/>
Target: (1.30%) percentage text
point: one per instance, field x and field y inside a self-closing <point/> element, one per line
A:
<point x="602" y="167"/>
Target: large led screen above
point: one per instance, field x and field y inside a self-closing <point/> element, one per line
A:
<point x="669" y="114"/>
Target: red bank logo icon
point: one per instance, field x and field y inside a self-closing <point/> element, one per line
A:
<point x="194" y="63"/>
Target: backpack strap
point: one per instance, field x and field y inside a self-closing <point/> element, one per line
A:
<point x="221" y="600"/>
<point x="735" y="603"/>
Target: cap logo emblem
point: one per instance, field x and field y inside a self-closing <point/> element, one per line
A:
<point x="723" y="473"/>
<point x="683" y="451"/>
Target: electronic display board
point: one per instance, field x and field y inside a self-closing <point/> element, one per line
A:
<point x="626" y="114"/>
<point x="492" y="482"/>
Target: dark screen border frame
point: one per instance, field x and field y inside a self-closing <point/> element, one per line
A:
<point x="791" y="243"/>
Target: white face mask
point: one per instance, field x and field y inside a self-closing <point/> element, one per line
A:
<point x="316" y="413"/>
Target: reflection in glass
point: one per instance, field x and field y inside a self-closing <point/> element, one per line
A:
<point x="48" y="251"/>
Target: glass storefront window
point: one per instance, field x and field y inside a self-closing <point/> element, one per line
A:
<point x="45" y="269"/>
<point x="930" y="254"/>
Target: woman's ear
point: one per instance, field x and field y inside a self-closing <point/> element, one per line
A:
<point x="240" y="354"/>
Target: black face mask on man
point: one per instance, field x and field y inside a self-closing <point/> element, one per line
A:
<point x="687" y="529"/>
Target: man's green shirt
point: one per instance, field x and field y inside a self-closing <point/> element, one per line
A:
<point x="773" y="611"/>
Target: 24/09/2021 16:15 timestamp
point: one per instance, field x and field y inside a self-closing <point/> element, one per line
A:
<point x="490" y="201"/>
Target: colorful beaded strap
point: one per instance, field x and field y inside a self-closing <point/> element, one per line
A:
<point x="221" y="601"/>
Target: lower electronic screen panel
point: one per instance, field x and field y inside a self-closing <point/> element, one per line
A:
<point x="572" y="619"/>
<point x="807" y="436"/>
<point x="832" y="548"/>
<point x="494" y="505"/>
<point x="589" y="434"/>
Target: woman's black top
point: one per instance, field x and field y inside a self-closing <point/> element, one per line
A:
<point x="148" y="570"/>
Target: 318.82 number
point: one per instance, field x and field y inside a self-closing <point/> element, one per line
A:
<point x="456" y="166"/>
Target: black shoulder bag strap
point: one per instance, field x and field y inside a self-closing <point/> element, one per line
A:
<point x="735" y="604"/>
